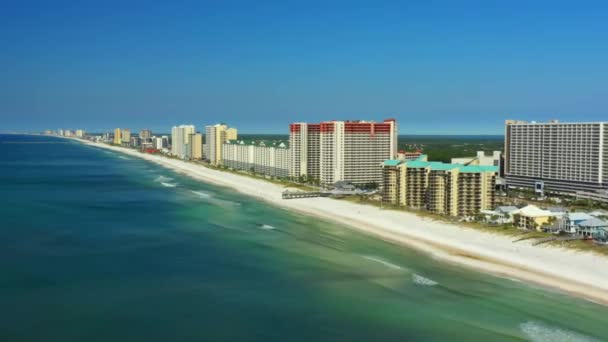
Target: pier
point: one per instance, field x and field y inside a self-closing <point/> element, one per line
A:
<point x="303" y="194"/>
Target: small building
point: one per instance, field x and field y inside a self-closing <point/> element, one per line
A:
<point x="533" y="218"/>
<point x="592" y="228"/>
<point x="505" y="213"/>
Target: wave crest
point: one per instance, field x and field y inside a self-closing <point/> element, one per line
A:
<point x="540" y="332"/>
<point x="420" y="280"/>
<point x="383" y="262"/>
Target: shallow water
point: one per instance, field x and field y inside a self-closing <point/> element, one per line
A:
<point x="94" y="247"/>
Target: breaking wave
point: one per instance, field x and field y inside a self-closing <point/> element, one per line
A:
<point x="161" y="179"/>
<point x="420" y="280"/>
<point x="211" y="199"/>
<point x="169" y="185"/>
<point x="266" y="227"/>
<point x="540" y="332"/>
<point x="201" y="194"/>
<point x="383" y="262"/>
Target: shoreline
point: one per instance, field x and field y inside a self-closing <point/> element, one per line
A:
<point x="578" y="274"/>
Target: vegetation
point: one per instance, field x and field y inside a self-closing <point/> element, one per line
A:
<point x="437" y="147"/>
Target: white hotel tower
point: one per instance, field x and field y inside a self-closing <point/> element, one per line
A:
<point x="556" y="157"/>
<point x="179" y="140"/>
<point x="350" y="151"/>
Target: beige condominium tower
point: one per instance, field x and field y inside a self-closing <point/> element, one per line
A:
<point x="215" y="137"/>
<point x="117" y="136"/>
<point x="179" y="140"/>
<point x="449" y="189"/>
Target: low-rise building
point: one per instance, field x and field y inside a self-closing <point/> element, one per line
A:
<point x="450" y="189"/>
<point x="268" y="158"/>
<point x="532" y="217"/>
<point x="592" y="228"/>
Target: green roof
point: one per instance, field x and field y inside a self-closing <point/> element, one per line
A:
<point x="418" y="164"/>
<point x="392" y="162"/>
<point x="439" y="166"/>
<point x="444" y="167"/>
<point x="479" y="168"/>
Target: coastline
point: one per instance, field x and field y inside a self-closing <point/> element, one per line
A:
<point x="579" y="274"/>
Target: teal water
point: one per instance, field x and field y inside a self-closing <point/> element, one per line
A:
<point x="97" y="246"/>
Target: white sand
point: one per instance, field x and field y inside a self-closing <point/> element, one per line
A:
<point x="582" y="274"/>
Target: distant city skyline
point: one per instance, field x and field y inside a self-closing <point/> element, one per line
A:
<point x="438" y="68"/>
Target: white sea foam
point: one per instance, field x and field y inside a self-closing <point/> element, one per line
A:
<point x="169" y="185"/>
<point x="420" y="280"/>
<point x="123" y="157"/>
<point x="383" y="262"/>
<point x="539" y="332"/>
<point x="266" y="227"/>
<point x="163" y="179"/>
<point x="211" y="199"/>
<point x="202" y="194"/>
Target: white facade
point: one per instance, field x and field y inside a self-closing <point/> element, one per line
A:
<point x="179" y="140"/>
<point x="350" y="151"/>
<point x="564" y="157"/>
<point x="480" y="159"/>
<point x="264" y="158"/>
<point x="161" y="142"/>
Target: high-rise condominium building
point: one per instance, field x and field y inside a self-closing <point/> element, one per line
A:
<point x="232" y="133"/>
<point x="195" y="146"/>
<point x="179" y="140"/>
<point x="350" y="151"/>
<point x="126" y="136"/>
<point x="450" y="189"/>
<point x="117" y="136"/>
<point x="145" y="134"/>
<point x="80" y="133"/>
<point x="215" y="136"/>
<point x="161" y="142"/>
<point x="556" y="157"/>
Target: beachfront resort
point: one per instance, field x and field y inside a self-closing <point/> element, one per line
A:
<point x="543" y="168"/>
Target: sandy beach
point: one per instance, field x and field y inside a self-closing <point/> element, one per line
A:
<point x="581" y="274"/>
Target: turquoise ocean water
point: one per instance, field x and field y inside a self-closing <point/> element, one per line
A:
<point x="97" y="246"/>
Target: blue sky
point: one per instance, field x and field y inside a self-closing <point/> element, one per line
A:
<point x="439" y="67"/>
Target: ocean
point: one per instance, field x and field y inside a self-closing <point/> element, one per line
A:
<point x="98" y="246"/>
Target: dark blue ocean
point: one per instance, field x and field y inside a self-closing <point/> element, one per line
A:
<point x="97" y="246"/>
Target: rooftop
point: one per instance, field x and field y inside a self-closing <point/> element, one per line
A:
<point x="593" y="222"/>
<point x="534" y="211"/>
<point x="439" y="166"/>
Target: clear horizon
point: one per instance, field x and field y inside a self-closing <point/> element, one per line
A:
<point x="440" y="68"/>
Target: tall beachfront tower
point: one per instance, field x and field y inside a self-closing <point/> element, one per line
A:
<point x="304" y="150"/>
<point x="117" y="136"/>
<point x="195" y="146"/>
<point x="126" y="135"/>
<point x="145" y="134"/>
<point x="215" y="136"/>
<point x="350" y="151"/>
<point x="179" y="139"/>
<point x="556" y="157"/>
<point x="232" y="133"/>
